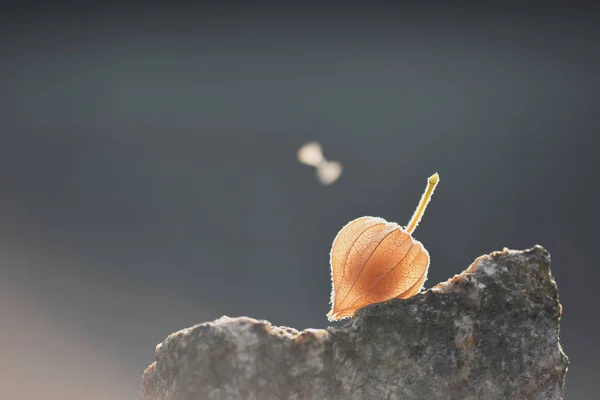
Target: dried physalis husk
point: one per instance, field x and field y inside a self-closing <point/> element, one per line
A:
<point x="373" y="260"/>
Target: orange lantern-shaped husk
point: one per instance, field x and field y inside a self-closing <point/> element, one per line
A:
<point x="373" y="260"/>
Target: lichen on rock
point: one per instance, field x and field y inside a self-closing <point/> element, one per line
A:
<point x="491" y="332"/>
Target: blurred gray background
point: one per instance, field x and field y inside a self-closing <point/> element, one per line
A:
<point x="149" y="180"/>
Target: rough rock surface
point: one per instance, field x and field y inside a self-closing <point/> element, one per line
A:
<point x="491" y="332"/>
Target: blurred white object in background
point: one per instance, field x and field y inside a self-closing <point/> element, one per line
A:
<point x="329" y="172"/>
<point x="311" y="154"/>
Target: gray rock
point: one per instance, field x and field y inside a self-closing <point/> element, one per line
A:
<point x="491" y="332"/>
